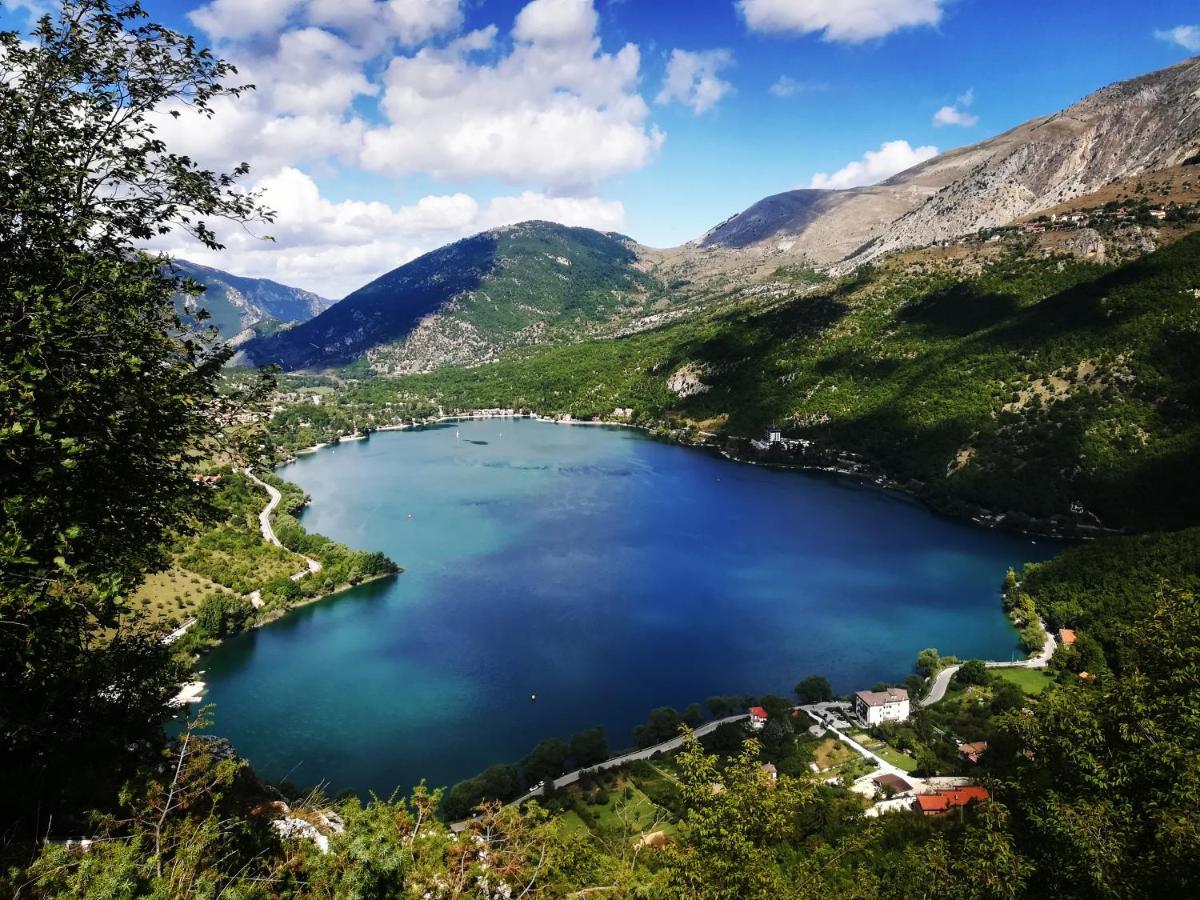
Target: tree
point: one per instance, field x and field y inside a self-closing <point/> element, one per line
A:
<point x="928" y="661"/>
<point x="106" y="392"/>
<point x="223" y="615"/>
<point x="973" y="671"/>
<point x="814" y="689"/>
<point x="589" y="747"/>
<point x="546" y="761"/>
<point x="692" y="716"/>
<point x="662" y="724"/>
<point x="724" y="850"/>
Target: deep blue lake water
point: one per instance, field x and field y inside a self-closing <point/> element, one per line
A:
<point x="602" y="570"/>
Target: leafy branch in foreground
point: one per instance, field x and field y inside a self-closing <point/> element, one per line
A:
<point x="107" y="396"/>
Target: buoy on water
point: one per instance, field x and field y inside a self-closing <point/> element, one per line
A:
<point x="533" y="698"/>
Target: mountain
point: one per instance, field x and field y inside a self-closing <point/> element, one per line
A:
<point x="465" y="303"/>
<point x="238" y="305"/>
<point x="1135" y="126"/>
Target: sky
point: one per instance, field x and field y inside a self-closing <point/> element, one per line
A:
<point x="381" y="129"/>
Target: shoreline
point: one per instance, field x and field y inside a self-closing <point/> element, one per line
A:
<point x="973" y="514"/>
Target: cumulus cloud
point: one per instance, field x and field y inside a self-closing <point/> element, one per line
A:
<point x="692" y="79"/>
<point x="875" y="166"/>
<point x="334" y="248"/>
<point x="957" y="114"/>
<point x="1186" y="36"/>
<point x="239" y="19"/>
<point x="848" y="21"/>
<point x="556" y="109"/>
<point x="369" y="21"/>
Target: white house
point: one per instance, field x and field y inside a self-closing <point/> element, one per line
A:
<point x="758" y="717"/>
<point x="875" y="707"/>
<point x="774" y="434"/>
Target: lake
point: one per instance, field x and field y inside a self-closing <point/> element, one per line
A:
<point x="607" y="573"/>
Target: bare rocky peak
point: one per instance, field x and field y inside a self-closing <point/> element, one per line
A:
<point x="1134" y="126"/>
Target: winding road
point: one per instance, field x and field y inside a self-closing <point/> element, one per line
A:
<point x="268" y="533"/>
<point x="941" y="682"/>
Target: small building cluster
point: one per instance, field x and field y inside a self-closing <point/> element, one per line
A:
<point x="876" y="707"/>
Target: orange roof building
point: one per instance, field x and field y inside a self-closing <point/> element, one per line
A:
<point x="1066" y="636"/>
<point x="943" y="801"/>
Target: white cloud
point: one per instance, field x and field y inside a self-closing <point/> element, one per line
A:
<point x="371" y="22"/>
<point x="849" y="21"/>
<point x="334" y="248"/>
<point x="692" y="79"/>
<point x="957" y="114"/>
<point x="556" y="22"/>
<point x="787" y="86"/>
<point x="239" y="19"/>
<point x="875" y="166"/>
<point x="555" y="110"/>
<point x="1186" y="36"/>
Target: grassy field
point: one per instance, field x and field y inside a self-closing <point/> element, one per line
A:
<point x="173" y="596"/>
<point x="884" y="751"/>
<point x="1031" y="681"/>
<point x="831" y="753"/>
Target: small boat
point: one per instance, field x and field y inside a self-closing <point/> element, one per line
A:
<point x="533" y="698"/>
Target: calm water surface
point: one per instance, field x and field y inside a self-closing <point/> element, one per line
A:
<point x="604" y="571"/>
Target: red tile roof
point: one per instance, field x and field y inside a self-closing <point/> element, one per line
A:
<point x="757" y="712"/>
<point x="1066" y="635"/>
<point x="950" y="798"/>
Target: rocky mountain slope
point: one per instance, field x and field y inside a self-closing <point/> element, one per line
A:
<point x="465" y="303"/>
<point x="239" y="307"/>
<point x="1135" y="126"/>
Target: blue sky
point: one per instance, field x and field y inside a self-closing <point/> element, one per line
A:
<point x="383" y="128"/>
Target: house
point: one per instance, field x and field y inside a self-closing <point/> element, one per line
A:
<point x="1066" y="636"/>
<point x="943" y="801"/>
<point x="770" y="770"/>
<point x="876" y="707"/>
<point x="206" y="479"/>
<point x="1159" y="214"/>
<point x="758" y="717"/>
<point x="972" y="751"/>
<point x="774" y="434"/>
<point x="894" y="783"/>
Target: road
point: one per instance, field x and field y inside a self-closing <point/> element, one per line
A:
<point x="633" y="756"/>
<point x="268" y="533"/>
<point x="942" y="680"/>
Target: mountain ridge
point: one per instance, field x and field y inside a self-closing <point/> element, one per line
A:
<point x="1119" y="130"/>
<point x="240" y="306"/>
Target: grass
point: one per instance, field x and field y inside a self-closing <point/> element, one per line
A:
<point x="1031" y="681"/>
<point x="831" y="753"/>
<point x="173" y="595"/>
<point x="900" y="760"/>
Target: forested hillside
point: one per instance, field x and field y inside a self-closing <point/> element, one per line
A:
<point x="536" y="282"/>
<point x="1032" y="387"/>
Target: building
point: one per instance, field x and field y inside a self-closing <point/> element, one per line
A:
<point x="972" y="751"/>
<point x="774" y="434"/>
<point x="876" y="707"/>
<point x="758" y="717"/>
<point x="940" y="802"/>
<point x="894" y="783"/>
<point x="1066" y="636"/>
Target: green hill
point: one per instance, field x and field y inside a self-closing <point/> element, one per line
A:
<point x="536" y="282"/>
